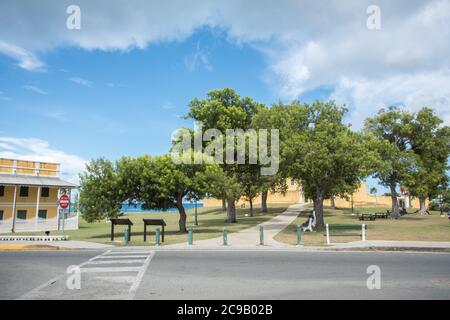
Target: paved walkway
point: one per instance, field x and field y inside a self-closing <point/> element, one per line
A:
<point x="250" y="237"/>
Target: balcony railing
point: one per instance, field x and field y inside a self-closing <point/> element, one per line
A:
<point x="32" y="168"/>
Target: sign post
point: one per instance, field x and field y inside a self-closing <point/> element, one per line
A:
<point x="64" y="203"/>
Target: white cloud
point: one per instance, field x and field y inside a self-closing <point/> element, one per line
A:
<point x="35" y="89"/>
<point x="25" y="59"/>
<point x="425" y="89"/>
<point x="40" y="150"/>
<point x="307" y="44"/>
<point x="82" y="81"/>
<point x="200" y="58"/>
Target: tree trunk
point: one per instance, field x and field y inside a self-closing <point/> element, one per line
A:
<point x="395" y="214"/>
<point x="231" y="211"/>
<point x="182" y="221"/>
<point x="251" y="207"/>
<point x="264" y="201"/>
<point x="224" y="205"/>
<point x="318" y="208"/>
<point x="333" y="204"/>
<point x="423" y="209"/>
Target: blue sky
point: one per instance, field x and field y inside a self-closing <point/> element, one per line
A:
<point x="119" y="85"/>
<point x="131" y="101"/>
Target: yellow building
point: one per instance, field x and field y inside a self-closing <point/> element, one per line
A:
<point x="293" y="195"/>
<point x="29" y="194"/>
<point x="361" y="198"/>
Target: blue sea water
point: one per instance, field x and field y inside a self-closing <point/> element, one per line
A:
<point x="137" y="207"/>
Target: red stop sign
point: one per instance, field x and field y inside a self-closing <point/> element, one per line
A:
<point x="64" y="201"/>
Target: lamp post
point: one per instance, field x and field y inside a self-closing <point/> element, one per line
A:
<point x="196" y="221"/>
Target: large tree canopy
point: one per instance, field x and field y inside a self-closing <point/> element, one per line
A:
<point x="225" y="110"/>
<point x="322" y="152"/>
<point x="430" y="142"/>
<point x="391" y="129"/>
<point x="99" y="192"/>
<point x="414" y="149"/>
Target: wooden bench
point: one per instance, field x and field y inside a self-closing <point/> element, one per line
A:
<point x="121" y="221"/>
<point x="153" y="222"/>
<point x="381" y="215"/>
<point x="333" y="230"/>
<point x="367" y="217"/>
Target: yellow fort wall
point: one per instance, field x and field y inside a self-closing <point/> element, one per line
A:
<point x="361" y="198"/>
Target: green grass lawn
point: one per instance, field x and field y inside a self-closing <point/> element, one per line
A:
<point x="412" y="227"/>
<point x="211" y="222"/>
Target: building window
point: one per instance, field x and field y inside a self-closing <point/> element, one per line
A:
<point x="1" y="215"/>
<point x="42" y="214"/>
<point x="24" y="192"/>
<point x="292" y="182"/>
<point x="2" y="191"/>
<point x="45" y="192"/>
<point x="22" y="214"/>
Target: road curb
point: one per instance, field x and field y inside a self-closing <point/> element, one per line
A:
<point x="29" y="247"/>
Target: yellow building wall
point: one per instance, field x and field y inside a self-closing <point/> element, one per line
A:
<point x="361" y="198"/>
<point x="292" y="196"/>
<point x="6" y="162"/>
<point x="29" y="203"/>
<point x="29" y="167"/>
<point x="48" y="169"/>
<point x="7" y="211"/>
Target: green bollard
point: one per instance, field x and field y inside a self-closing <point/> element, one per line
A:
<point x="261" y="235"/>
<point x="158" y="236"/>
<point x="299" y="235"/>
<point x="190" y="237"/>
<point x="126" y="237"/>
<point x="225" y="236"/>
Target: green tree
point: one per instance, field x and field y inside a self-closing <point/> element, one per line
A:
<point x="250" y="180"/>
<point x="224" y="110"/>
<point x="392" y="129"/>
<point x="129" y="177"/>
<point x="325" y="154"/>
<point x="165" y="184"/>
<point x="430" y="142"/>
<point x="99" y="195"/>
<point x="281" y="117"/>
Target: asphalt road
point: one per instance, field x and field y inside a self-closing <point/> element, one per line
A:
<point x="203" y="275"/>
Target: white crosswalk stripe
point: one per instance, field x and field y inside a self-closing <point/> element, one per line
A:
<point x="131" y="261"/>
<point x="115" y="274"/>
<point x="119" y="257"/>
